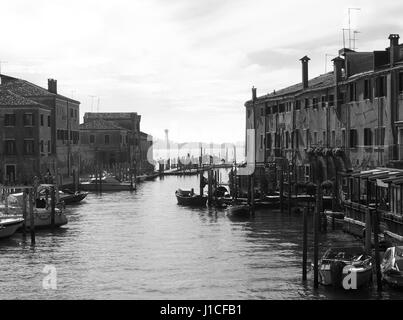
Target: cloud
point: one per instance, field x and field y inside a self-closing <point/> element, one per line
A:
<point x="183" y="65"/>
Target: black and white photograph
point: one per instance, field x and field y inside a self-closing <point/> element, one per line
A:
<point x="201" y="150"/>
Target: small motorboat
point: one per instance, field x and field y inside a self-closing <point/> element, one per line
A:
<point x="189" y="198"/>
<point x="239" y="210"/>
<point x="337" y="263"/>
<point x="392" y="266"/>
<point x="107" y="184"/>
<point x="8" y="226"/>
<point x="71" y="197"/>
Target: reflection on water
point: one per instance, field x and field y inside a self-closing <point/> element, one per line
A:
<point x="142" y="245"/>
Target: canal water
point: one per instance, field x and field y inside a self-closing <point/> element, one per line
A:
<point x="142" y="245"/>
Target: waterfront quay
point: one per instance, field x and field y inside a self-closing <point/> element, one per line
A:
<point x="143" y="245"/>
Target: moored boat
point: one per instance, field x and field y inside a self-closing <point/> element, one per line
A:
<point x="392" y="266"/>
<point x="8" y="226"/>
<point x="41" y="210"/>
<point x="71" y="197"/>
<point x="106" y="184"/>
<point x="239" y="210"/>
<point x="189" y="198"/>
<point x="337" y="263"/>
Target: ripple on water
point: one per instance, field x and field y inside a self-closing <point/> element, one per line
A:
<point x="142" y="245"/>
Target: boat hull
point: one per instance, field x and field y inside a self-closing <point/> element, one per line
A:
<point x="106" y="187"/>
<point x="9" y="226"/>
<point x="190" y="200"/>
<point x="43" y="220"/>
<point x="73" y="198"/>
<point x="239" y="211"/>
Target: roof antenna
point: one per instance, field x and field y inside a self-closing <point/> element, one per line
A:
<point x="349" y="25"/>
<point x="98" y="105"/>
<point x="92" y="103"/>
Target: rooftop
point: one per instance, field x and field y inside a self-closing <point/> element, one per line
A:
<point x="27" y="89"/>
<point x="9" y="98"/>
<point x="100" y="124"/>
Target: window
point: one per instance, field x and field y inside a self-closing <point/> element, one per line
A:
<point x="92" y="138"/>
<point x="261" y="141"/>
<point x="28" y="147"/>
<point x="367" y="137"/>
<point x="48" y="121"/>
<point x="367" y="89"/>
<point x="48" y="146"/>
<point x="268" y="109"/>
<point x="307" y="138"/>
<point x="42" y="120"/>
<point x="42" y="146"/>
<point x="275" y="108"/>
<point x="127" y="139"/>
<point x="9" y="147"/>
<point x="343" y="138"/>
<point x="261" y="112"/>
<point x="75" y="113"/>
<point x="298" y="105"/>
<point x="306" y="103"/>
<point x="28" y="119"/>
<point x="287" y="140"/>
<point x="281" y="107"/>
<point x="323" y="101"/>
<point x="331" y="100"/>
<point x="296" y="137"/>
<point x="380" y="88"/>
<point x="315" y="103"/>
<point x="106" y="139"/>
<point x="315" y="138"/>
<point x="333" y="139"/>
<point x="353" y="138"/>
<point x="9" y="120"/>
<point x="401" y="82"/>
<point x="324" y="138"/>
<point x="352" y="88"/>
<point x="379" y="136"/>
<point x="71" y="113"/>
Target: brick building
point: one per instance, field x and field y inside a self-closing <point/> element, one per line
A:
<point x="102" y="143"/>
<point x="25" y="131"/>
<point x="137" y="145"/>
<point x="64" y="120"/>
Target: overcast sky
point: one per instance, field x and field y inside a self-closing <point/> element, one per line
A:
<point x="184" y="65"/>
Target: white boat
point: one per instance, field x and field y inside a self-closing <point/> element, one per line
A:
<point x="8" y="226"/>
<point x="41" y="211"/>
<point x="107" y="184"/>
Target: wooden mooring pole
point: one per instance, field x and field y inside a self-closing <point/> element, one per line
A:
<point x="210" y="187"/>
<point x="368" y="231"/>
<point x="281" y="190"/>
<point x="316" y="240"/>
<point x="24" y="212"/>
<point x="53" y="207"/>
<point x="31" y="216"/>
<point x="289" y="189"/>
<point x="304" y="244"/>
<point x="252" y="193"/>
<point x="376" y="242"/>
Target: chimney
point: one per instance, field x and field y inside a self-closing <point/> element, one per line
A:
<point x="254" y="94"/>
<point x="52" y="86"/>
<point x="304" y="61"/>
<point x="338" y="64"/>
<point x="394" y="48"/>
